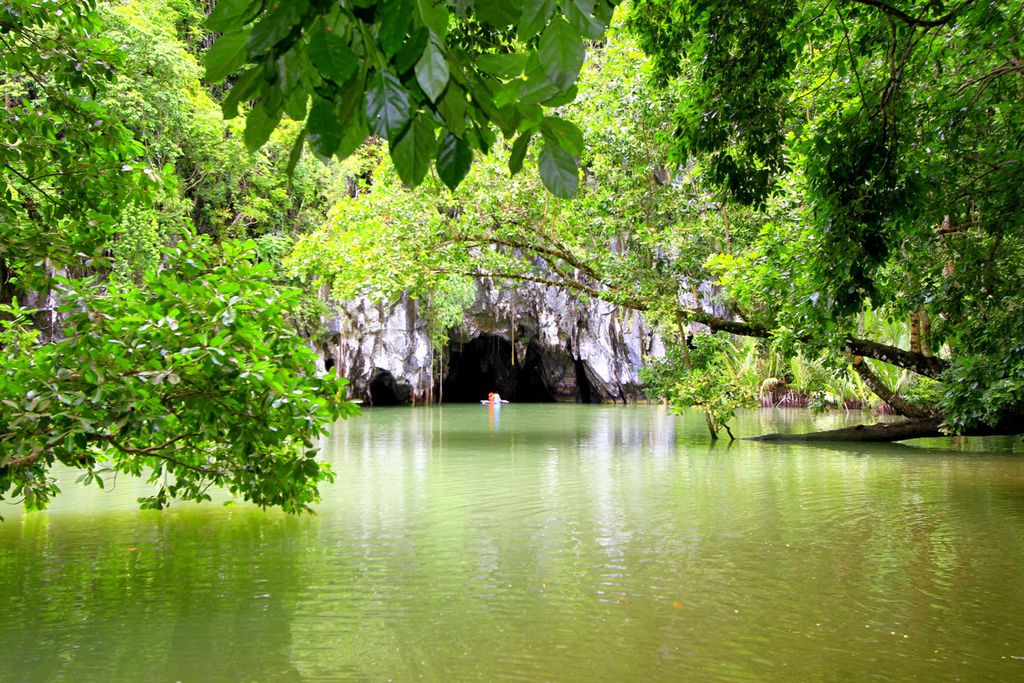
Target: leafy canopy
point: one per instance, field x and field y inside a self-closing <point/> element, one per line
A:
<point x="819" y="164"/>
<point x="182" y="364"/>
<point x="193" y="378"/>
<point x="434" y="79"/>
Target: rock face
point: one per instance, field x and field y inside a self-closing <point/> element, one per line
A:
<point x="530" y="343"/>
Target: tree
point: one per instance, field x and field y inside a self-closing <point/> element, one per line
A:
<point x="870" y="150"/>
<point x="179" y="362"/>
<point x="68" y="165"/>
<point x="895" y="135"/>
<point x="194" y="379"/>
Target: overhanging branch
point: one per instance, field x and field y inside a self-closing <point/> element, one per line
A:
<point x="901" y="405"/>
<point x="897" y="13"/>
<point x="928" y="366"/>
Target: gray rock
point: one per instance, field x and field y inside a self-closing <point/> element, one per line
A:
<point x="530" y="342"/>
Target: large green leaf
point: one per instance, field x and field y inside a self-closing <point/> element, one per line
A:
<point x="564" y="133"/>
<point x="535" y="14"/>
<point x="351" y="120"/>
<point x="537" y="87"/>
<point x="295" y="104"/>
<point x="531" y="116"/>
<point x="226" y="55"/>
<point x="243" y="88"/>
<point x="411" y="51"/>
<point x="231" y="14"/>
<point x="558" y="170"/>
<point x="452" y="108"/>
<point x="453" y="160"/>
<point x="296" y="153"/>
<point x="561" y="53"/>
<point x="322" y="127"/>
<point x="332" y="56"/>
<point x="432" y="71"/>
<point x="277" y="26"/>
<point x="388" y="105"/>
<point x="561" y="98"/>
<point x="519" y="147"/>
<point x="579" y="12"/>
<point x="497" y="13"/>
<point x="414" y="151"/>
<point x="434" y="16"/>
<point x="502" y="65"/>
<point x="290" y="68"/>
<point x="354" y="135"/>
<point x="395" y="19"/>
<point x="259" y="124"/>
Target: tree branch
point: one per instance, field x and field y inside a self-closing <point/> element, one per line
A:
<point x="560" y="284"/>
<point x="887" y="432"/>
<point x="929" y="366"/>
<point x="24" y="460"/>
<point x="1008" y="68"/>
<point x="875" y="384"/>
<point x="544" y="252"/>
<point x="914" y="21"/>
<point x="155" y="452"/>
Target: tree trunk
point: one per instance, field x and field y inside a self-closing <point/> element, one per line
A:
<point x="926" y="330"/>
<point x="915" y="333"/>
<point x="886" y="432"/>
<point x="684" y="341"/>
<point x="877" y="386"/>
<point x="882" y="432"/>
<point x="917" y="362"/>
<point x="711" y="426"/>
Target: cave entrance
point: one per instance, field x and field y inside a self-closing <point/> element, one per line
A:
<point x="384" y="391"/>
<point x="484" y="364"/>
<point x="585" y="392"/>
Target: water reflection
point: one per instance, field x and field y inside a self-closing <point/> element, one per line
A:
<point x="555" y="543"/>
<point x="91" y="595"/>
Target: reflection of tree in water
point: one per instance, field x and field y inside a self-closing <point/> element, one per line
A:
<point x="183" y="595"/>
<point x="572" y="544"/>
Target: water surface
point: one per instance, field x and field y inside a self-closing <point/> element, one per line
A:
<point x="542" y="542"/>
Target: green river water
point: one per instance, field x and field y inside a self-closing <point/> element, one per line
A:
<point x="542" y="542"/>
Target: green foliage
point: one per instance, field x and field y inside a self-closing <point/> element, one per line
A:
<point x="735" y="59"/>
<point x="700" y="377"/>
<point x="803" y="158"/>
<point x="823" y="167"/>
<point x="69" y="164"/>
<point x="410" y="71"/>
<point x="195" y="379"/>
<point x="446" y="307"/>
<point x="885" y="145"/>
<point x="183" y="365"/>
<point x="985" y="390"/>
<point x="139" y="243"/>
<point x="387" y="240"/>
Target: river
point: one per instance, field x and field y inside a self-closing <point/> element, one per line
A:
<point x="542" y="542"/>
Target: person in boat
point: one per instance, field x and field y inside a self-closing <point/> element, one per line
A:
<point x="493" y="399"/>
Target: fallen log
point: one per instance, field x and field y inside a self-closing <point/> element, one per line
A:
<point x="885" y="432"/>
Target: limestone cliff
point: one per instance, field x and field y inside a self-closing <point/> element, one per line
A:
<point x="529" y="343"/>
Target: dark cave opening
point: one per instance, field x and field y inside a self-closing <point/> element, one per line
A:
<point x="384" y="391"/>
<point x="584" y="389"/>
<point x="484" y="364"/>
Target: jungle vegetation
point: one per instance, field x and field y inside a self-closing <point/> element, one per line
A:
<point x="845" y="174"/>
